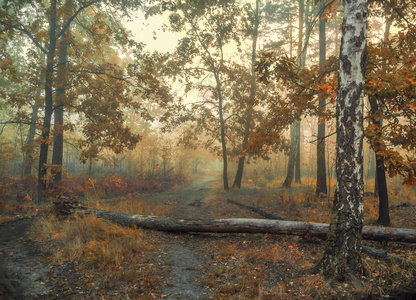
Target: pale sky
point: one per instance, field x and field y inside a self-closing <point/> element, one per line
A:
<point x="153" y="33"/>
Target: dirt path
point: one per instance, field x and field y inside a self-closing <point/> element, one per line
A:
<point x="186" y="263"/>
<point x="19" y="264"/>
<point x="26" y="274"/>
<point x="187" y="201"/>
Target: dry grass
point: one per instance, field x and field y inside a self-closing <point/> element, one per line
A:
<point x="262" y="267"/>
<point x="90" y="242"/>
<point x="113" y="260"/>
<point x="16" y="199"/>
<point x="300" y="203"/>
<point x="131" y="206"/>
<point x="250" y="267"/>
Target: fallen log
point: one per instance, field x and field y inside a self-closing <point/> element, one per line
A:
<point x="382" y="255"/>
<point x="256" y="210"/>
<point x="242" y="225"/>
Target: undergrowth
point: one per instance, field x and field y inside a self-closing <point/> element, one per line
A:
<point x="276" y="268"/>
<point x="109" y="257"/>
<point x="263" y="267"/>
<point x="90" y="242"/>
<point x="18" y="196"/>
<point x="299" y="203"/>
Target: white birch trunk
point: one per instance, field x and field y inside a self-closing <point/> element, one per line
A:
<point x="342" y="260"/>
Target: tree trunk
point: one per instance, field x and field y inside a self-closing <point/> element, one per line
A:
<point x="43" y="154"/>
<point x="291" y="163"/>
<point x="302" y="47"/>
<point x="381" y="181"/>
<point x="29" y="155"/>
<point x="294" y="158"/>
<point x="342" y="257"/>
<point x="383" y="197"/>
<point x="243" y="225"/>
<point x="371" y="164"/>
<point x="240" y="170"/>
<point x="224" y="157"/>
<point x="307" y="34"/>
<point x="222" y="134"/>
<point x="249" y="106"/>
<point x="300" y="28"/>
<point x="337" y="40"/>
<point x="89" y="171"/>
<point x="31" y="136"/>
<point x="298" y="177"/>
<point x="295" y="130"/>
<point x="58" y="144"/>
<point x="389" y="21"/>
<point x="256" y="210"/>
<point x="321" y="186"/>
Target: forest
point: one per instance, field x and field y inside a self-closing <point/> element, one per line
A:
<point x="207" y="149"/>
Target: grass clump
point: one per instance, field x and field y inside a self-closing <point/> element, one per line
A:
<point x="113" y="260"/>
<point x="90" y="242"/>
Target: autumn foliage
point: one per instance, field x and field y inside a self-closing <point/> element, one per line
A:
<point x="390" y="78"/>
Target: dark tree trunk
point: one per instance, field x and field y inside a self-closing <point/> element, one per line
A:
<point x="43" y="154"/>
<point x="321" y="186"/>
<point x="58" y="144"/>
<point x="222" y="134"/>
<point x="239" y="174"/>
<point x="342" y="258"/>
<point x="293" y="154"/>
<point x="297" y="165"/>
<point x="383" y="197"/>
<point x="249" y="108"/>
<point x="381" y="181"/>
<point x="224" y="157"/>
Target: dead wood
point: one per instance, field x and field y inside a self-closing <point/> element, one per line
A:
<point x="64" y="207"/>
<point x="242" y="225"/>
<point x="373" y="252"/>
<point x="382" y="255"/>
<point x="256" y="210"/>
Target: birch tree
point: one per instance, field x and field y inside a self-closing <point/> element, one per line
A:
<point x="342" y="258"/>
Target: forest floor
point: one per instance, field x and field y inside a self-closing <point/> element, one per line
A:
<point x="44" y="257"/>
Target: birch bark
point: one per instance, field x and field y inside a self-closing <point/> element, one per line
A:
<point x="342" y="258"/>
